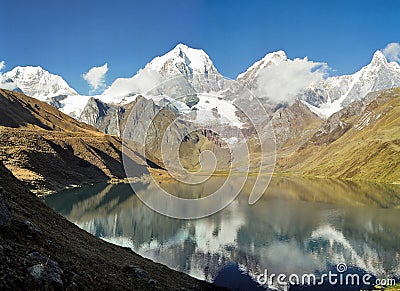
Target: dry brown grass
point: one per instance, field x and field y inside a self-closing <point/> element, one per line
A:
<point x="372" y="153"/>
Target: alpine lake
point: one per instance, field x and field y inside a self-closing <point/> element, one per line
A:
<point x="299" y="226"/>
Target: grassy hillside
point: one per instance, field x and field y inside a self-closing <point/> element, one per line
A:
<point x="50" y="150"/>
<point x="365" y="145"/>
<point x="21" y="111"/>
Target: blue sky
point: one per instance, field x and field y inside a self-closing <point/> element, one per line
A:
<point x="70" y="37"/>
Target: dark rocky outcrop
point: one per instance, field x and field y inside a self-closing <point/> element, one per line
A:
<point x="103" y="116"/>
<point x="5" y="215"/>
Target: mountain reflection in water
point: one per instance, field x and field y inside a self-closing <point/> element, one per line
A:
<point x="299" y="226"/>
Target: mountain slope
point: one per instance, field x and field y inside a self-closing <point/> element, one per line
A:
<point x="361" y="141"/>
<point x="143" y="122"/>
<point x="19" y="110"/>
<point x="42" y="85"/>
<point x="293" y="126"/>
<point x="50" y="150"/>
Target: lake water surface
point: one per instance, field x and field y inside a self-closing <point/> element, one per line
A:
<point x="299" y="226"/>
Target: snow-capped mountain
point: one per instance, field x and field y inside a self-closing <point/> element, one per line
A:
<point x="39" y="83"/>
<point x="277" y="80"/>
<point x="189" y="71"/>
<point x="183" y="60"/>
<point x="335" y="93"/>
<point x="183" y="80"/>
<point x="45" y="86"/>
<point x="326" y="95"/>
<point x="247" y="77"/>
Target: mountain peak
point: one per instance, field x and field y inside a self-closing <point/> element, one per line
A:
<point x="184" y="47"/>
<point x="272" y="57"/>
<point x="28" y="70"/>
<point x="379" y="57"/>
<point x="195" y="59"/>
<point x="182" y="61"/>
<point x="37" y="82"/>
<point x="267" y="60"/>
<point x="280" y="54"/>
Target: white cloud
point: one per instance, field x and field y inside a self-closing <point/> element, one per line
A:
<point x="6" y="83"/>
<point x="392" y="51"/>
<point x="96" y="77"/>
<point x="145" y="80"/>
<point x="284" y="80"/>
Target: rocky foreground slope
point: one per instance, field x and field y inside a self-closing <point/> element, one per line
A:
<point x="50" y="150"/>
<point x="39" y="249"/>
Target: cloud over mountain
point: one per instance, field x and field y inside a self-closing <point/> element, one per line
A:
<point x="96" y="77"/>
<point x="283" y="80"/>
<point x="392" y="51"/>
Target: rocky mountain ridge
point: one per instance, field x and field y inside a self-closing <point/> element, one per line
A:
<point x="49" y="150"/>
<point x="193" y="73"/>
<point x="362" y="141"/>
<point x="334" y="93"/>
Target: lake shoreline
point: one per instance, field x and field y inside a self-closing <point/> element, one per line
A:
<point x="166" y="177"/>
<point x="307" y="215"/>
